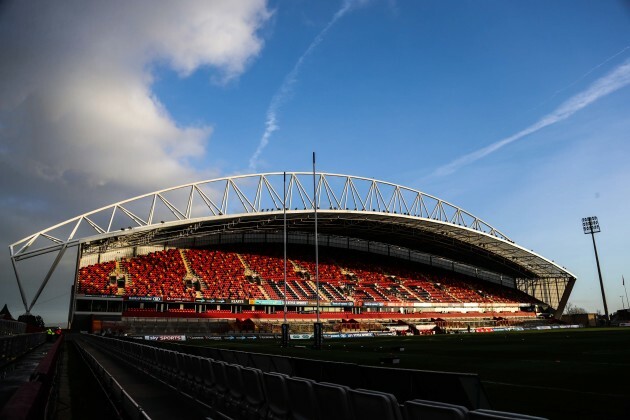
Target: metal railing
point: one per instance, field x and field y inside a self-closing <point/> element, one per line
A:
<point x="119" y="398"/>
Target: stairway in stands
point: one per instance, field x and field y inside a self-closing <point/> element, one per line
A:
<point x="190" y="274"/>
<point x="120" y="271"/>
<point x="251" y="274"/>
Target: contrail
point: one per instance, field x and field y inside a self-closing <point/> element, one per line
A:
<point x="616" y="79"/>
<point x="579" y="79"/>
<point x="590" y="71"/>
<point x="286" y="89"/>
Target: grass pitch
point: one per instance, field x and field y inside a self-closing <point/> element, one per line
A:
<point x="558" y="374"/>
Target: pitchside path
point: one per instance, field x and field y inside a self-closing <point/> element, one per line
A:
<point x="158" y="400"/>
<point x="20" y="371"/>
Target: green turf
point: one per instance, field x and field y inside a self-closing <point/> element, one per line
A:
<point x="577" y="374"/>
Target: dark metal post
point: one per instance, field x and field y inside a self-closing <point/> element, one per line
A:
<point x="317" y="328"/>
<point x="591" y="225"/>
<point x="623" y="283"/>
<point x="285" y="335"/>
<point x="285" y="325"/>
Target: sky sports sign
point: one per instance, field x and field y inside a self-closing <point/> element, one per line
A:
<point x="165" y="337"/>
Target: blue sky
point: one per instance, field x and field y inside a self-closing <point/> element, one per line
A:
<point x="515" y="111"/>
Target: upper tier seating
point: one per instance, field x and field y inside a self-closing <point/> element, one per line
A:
<point x="258" y="273"/>
<point x="94" y="279"/>
<point x="223" y="274"/>
<point x="157" y="274"/>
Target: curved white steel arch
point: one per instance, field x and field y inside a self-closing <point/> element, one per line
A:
<point x="257" y="193"/>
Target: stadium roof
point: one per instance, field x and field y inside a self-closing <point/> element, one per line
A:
<point x="347" y="206"/>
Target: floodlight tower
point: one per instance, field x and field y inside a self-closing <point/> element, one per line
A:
<point x="591" y="225"/>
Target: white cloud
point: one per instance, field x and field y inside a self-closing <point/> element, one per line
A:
<point x="79" y="123"/>
<point x="76" y="84"/>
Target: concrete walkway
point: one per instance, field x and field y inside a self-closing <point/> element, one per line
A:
<point x="159" y="401"/>
<point x="20" y="371"/>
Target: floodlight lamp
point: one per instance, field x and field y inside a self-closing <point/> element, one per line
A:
<point x="590" y="225"/>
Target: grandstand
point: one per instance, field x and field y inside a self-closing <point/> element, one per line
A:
<point x="208" y="256"/>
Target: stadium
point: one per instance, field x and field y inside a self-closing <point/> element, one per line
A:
<point x="209" y="258"/>
<point x="180" y="297"/>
